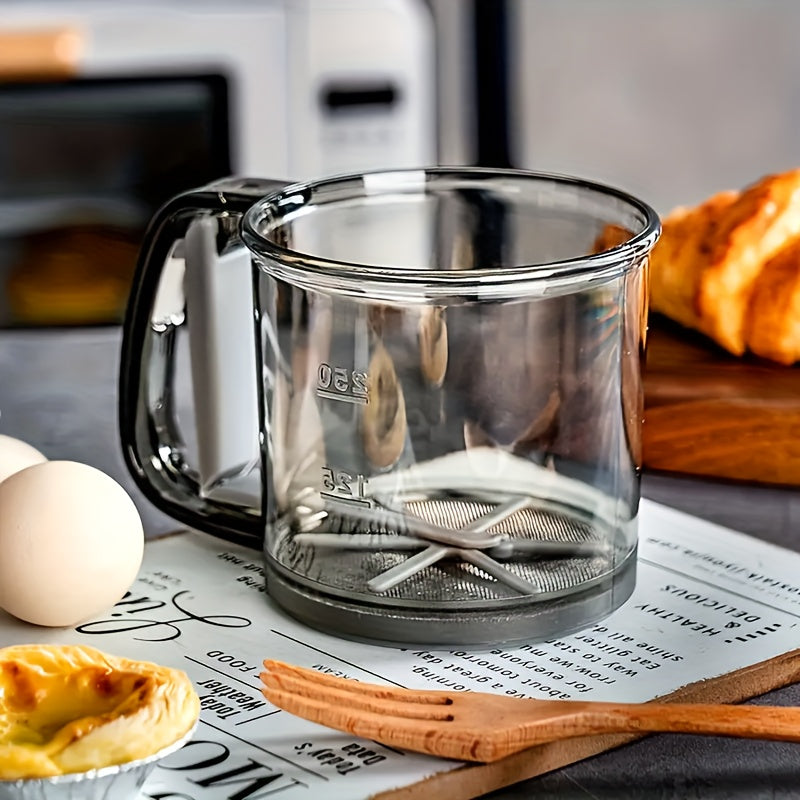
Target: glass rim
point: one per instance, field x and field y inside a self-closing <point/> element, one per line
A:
<point x="603" y="264"/>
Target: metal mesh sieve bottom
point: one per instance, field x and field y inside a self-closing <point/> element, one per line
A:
<point x="452" y="583"/>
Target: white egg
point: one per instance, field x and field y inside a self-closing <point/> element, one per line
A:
<point x="71" y="543"/>
<point x="16" y="455"/>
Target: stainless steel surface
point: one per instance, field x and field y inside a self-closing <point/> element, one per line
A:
<point x="550" y="555"/>
<point x="57" y="391"/>
<point x="452" y="543"/>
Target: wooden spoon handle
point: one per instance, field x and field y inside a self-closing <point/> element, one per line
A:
<point x="747" y="721"/>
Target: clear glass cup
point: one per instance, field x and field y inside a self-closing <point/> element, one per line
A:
<point x="449" y="381"/>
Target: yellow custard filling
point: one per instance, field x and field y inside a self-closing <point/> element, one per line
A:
<point x="69" y="709"/>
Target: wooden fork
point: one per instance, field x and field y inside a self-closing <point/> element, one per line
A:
<point x="475" y="726"/>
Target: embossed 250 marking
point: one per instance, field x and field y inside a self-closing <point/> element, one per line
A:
<point x="338" y="383"/>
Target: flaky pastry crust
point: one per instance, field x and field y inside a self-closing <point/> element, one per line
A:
<point x="66" y="709"/>
<point x="679" y="259"/>
<point x="773" y="319"/>
<point x="762" y="219"/>
<point x="729" y="266"/>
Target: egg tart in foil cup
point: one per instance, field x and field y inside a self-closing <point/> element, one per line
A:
<point x="78" y="724"/>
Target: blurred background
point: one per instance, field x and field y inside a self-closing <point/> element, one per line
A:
<point x="106" y="110"/>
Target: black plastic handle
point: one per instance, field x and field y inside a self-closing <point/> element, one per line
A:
<point x="152" y="445"/>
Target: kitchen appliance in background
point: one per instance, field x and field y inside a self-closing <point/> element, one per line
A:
<point x="601" y="89"/>
<point x="106" y="110"/>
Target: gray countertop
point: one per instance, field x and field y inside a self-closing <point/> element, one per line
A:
<point x="58" y="392"/>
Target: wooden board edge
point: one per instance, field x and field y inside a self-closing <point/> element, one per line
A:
<point x="474" y="780"/>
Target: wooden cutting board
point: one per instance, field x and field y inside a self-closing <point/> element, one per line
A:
<point x="712" y="414"/>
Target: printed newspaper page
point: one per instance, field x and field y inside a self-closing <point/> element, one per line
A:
<point x="707" y="601"/>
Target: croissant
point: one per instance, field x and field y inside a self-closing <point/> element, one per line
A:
<point x="66" y="709"/>
<point x="730" y="268"/>
<point x="773" y="319"/>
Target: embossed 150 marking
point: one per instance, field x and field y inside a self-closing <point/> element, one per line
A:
<point x="344" y="487"/>
<point x="338" y="383"/>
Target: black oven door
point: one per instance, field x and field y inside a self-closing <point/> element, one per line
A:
<point x="84" y="163"/>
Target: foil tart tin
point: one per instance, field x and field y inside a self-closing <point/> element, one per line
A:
<point x="118" y="782"/>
